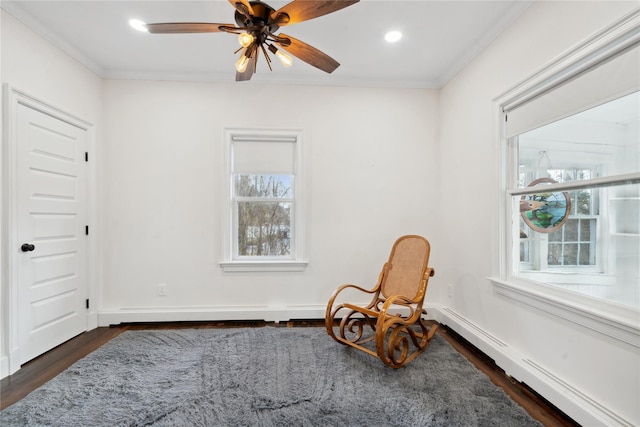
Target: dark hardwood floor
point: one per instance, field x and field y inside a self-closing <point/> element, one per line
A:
<point x="40" y="370"/>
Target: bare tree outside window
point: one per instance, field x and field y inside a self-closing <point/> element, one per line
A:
<point x="263" y="209"/>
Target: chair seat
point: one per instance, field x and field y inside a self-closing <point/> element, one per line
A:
<point x="363" y="310"/>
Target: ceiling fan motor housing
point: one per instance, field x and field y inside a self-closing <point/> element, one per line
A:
<point x="260" y="24"/>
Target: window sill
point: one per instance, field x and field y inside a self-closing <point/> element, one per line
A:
<point x="569" y="277"/>
<point x="262" y="266"/>
<point x="623" y="325"/>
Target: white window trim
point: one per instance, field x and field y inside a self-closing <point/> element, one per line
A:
<point x="297" y="261"/>
<point x="614" y="320"/>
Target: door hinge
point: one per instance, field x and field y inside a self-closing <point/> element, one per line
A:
<point x="86" y="156"/>
<point x="86" y="230"/>
<point x="87" y="303"/>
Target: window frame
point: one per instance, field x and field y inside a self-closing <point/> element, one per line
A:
<point x="231" y="261"/>
<point x="606" y="317"/>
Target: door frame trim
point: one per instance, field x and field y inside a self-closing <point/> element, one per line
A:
<point x="9" y="327"/>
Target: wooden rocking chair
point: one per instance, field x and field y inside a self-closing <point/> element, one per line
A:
<point x="394" y="314"/>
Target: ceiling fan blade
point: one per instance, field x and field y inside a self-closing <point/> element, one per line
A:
<point x="185" y="27"/>
<point x="309" y="54"/>
<point x="251" y="68"/>
<point x="303" y="10"/>
<point x="242" y="6"/>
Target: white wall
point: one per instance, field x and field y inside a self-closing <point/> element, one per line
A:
<point x="568" y="361"/>
<point x="35" y="67"/>
<point x="371" y="177"/>
<point x="40" y="69"/>
<point x="383" y="162"/>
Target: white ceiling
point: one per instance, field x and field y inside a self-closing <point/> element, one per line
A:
<point x="440" y="37"/>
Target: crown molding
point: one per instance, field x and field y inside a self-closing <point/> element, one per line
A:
<point x="14" y="9"/>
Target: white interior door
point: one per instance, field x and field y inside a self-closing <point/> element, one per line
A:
<point x="51" y="221"/>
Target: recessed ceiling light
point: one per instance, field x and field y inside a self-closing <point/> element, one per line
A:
<point x="393" y="36"/>
<point x="138" y="25"/>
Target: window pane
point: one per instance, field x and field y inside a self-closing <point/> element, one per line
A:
<point x="602" y="141"/>
<point x="264" y="229"/>
<point x="582" y="202"/>
<point x="585" y="230"/>
<point x="601" y="252"/>
<point x="570" y="230"/>
<point x="556" y="236"/>
<point x="274" y="186"/>
<point x="569" y="254"/>
<point x="555" y="254"/>
<point x="585" y="254"/>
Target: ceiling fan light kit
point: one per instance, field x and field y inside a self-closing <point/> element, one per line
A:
<point x="285" y="59"/>
<point x="256" y="25"/>
<point x="245" y="39"/>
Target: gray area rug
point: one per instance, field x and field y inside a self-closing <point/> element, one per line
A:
<point x="262" y="377"/>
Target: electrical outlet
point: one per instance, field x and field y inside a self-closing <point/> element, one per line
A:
<point x="450" y="290"/>
<point x="162" y="289"/>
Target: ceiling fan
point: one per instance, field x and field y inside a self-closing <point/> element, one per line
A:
<point x="257" y="23"/>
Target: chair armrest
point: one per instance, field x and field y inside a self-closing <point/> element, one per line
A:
<point x="412" y="305"/>
<point x="359" y="288"/>
<point x="329" y="315"/>
<point x="375" y="289"/>
<point x="343" y="288"/>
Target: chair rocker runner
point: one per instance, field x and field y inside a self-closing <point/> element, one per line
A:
<point x="394" y="315"/>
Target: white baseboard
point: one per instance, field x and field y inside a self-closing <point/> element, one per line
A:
<point x="4" y="367"/>
<point x="196" y="314"/>
<point x="566" y="397"/>
<point x="92" y="320"/>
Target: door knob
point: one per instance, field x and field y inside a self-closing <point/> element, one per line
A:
<point x="27" y="247"/>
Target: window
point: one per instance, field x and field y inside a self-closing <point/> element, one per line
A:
<point x="586" y="252"/>
<point x="573" y="244"/>
<point x="263" y="201"/>
<point x="570" y="215"/>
